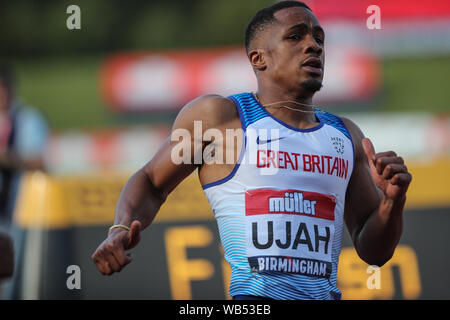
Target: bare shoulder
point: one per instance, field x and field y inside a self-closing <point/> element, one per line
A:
<point x="357" y="136"/>
<point x="213" y="110"/>
<point x="353" y="128"/>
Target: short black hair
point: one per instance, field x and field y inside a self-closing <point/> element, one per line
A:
<point x="265" y="16"/>
<point x="7" y="77"/>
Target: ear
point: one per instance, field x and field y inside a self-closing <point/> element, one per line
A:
<point x="257" y="59"/>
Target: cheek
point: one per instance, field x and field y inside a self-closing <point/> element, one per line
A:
<point x="286" y="64"/>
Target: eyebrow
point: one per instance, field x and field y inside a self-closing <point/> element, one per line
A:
<point x="303" y="25"/>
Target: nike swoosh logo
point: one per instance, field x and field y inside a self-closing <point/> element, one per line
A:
<point x="258" y="141"/>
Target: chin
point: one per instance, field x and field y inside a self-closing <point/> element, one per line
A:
<point x="312" y="85"/>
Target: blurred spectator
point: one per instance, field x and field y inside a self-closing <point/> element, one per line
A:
<point x="23" y="136"/>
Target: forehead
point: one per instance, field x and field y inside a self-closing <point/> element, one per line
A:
<point x="289" y="17"/>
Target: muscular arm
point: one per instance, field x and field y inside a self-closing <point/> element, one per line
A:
<point x="147" y="189"/>
<point x="375" y="198"/>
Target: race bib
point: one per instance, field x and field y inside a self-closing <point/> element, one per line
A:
<point x="289" y="231"/>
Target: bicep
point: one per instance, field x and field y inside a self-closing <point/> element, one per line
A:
<point x="164" y="170"/>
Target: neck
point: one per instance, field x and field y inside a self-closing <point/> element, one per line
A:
<point x="300" y="106"/>
<point x="270" y="92"/>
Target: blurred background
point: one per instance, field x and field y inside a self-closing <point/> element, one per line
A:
<point x="82" y="109"/>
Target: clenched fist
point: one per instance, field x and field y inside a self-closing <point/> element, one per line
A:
<point x="388" y="171"/>
<point x="110" y="256"/>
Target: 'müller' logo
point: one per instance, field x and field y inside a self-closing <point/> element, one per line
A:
<point x="338" y="144"/>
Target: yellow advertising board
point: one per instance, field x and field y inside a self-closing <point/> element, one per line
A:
<point x="55" y="202"/>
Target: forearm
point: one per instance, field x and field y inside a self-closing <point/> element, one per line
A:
<point x="381" y="232"/>
<point x="139" y="200"/>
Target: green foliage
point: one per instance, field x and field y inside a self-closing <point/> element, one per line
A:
<point x="39" y="27"/>
<point x="416" y="84"/>
<point x="67" y="90"/>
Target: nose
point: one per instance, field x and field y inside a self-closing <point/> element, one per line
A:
<point x="311" y="46"/>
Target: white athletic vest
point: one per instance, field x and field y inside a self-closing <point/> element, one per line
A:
<point x="280" y="211"/>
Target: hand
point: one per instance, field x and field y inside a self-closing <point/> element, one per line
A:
<point x="110" y="256"/>
<point x="388" y="171"/>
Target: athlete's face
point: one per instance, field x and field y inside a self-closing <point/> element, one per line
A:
<point x="295" y="54"/>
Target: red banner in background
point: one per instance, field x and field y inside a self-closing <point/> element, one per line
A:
<point x="142" y="82"/>
<point x="390" y="9"/>
<point x="159" y="80"/>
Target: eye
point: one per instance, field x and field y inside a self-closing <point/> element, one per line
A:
<point x="319" y="40"/>
<point x="294" y="37"/>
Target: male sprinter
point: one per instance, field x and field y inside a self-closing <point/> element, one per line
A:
<point x="281" y="232"/>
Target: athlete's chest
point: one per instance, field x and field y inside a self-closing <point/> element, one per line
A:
<point x="321" y="159"/>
